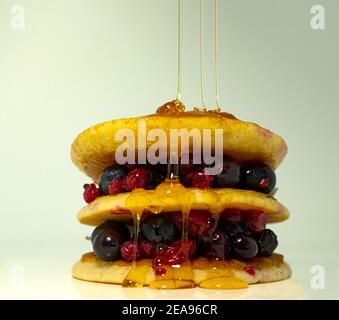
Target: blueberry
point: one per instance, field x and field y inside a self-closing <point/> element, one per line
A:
<point x="259" y="178"/>
<point x="106" y="241"/>
<point x="217" y="247"/>
<point x="267" y="242"/>
<point x="244" y="246"/>
<point x="229" y="176"/>
<point x="111" y="225"/>
<point x="159" y="229"/>
<point x="234" y="229"/>
<point x="157" y="174"/>
<point x="111" y="173"/>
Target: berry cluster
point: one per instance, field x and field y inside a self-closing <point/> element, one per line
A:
<point x="118" y="178"/>
<point x="257" y="176"/>
<point x="236" y="234"/>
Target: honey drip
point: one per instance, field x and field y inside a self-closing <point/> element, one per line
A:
<point x="129" y="281"/>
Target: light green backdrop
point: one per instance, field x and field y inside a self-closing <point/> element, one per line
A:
<point x="81" y="62"/>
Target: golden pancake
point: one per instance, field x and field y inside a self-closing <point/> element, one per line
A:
<point x="113" y="207"/>
<point x="94" y="149"/>
<point x="227" y="274"/>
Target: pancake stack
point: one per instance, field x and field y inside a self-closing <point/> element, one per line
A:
<point x="163" y="230"/>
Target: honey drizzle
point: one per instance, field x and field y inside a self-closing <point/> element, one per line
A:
<point x="128" y="282"/>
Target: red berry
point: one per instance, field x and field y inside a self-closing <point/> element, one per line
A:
<point x="137" y="178"/>
<point x="116" y="186"/>
<point x="147" y="249"/>
<point x="201" y="180"/>
<point x="232" y="215"/>
<point x="175" y="254"/>
<point x="129" y="250"/>
<point x="160" y="271"/>
<point x="199" y="223"/>
<point x="197" y="180"/>
<point x="160" y="262"/>
<point x="255" y="220"/>
<point x="250" y="270"/>
<point x="91" y="192"/>
<point x="185" y="248"/>
<point x="144" y="250"/>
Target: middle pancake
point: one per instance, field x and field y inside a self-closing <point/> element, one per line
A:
<point x="118" y="207"/>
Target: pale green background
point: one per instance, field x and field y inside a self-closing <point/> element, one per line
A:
<point x="80" y="62"/>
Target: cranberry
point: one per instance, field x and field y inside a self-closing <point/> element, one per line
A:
<point x="137" y="178"/>
<point x="129" y="251"/>
<point x="175" y="254"/>
<point x="91" y="192"/>
<point x="255" y="220"/>
<point x="232" y="215"/>
<point x="250" y="270"/>
<point x="199" y="223"/>
<point x="116" y="186"/>
<point x="143" y="250"/>
<point x="147" y="249"/>
<point x="186" y="248"/>
<point x="160" y="271"/>
<point x="201" y="180"/>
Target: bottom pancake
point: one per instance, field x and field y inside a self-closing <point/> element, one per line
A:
<point x="226" y="274"/>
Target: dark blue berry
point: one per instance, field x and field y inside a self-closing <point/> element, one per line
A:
<point x="157" y="174"/>
<point x="267" y="242"/>
<point x="259" y="178"/>
<point x="111" y="225"/>
<point x="159" y="229"/>
<point x="229" y="176"/>
<point x="111" y="173"/>
<point x="107" y="239"/>
<point x="244" y="246"/>
<point x="234" y="229"/>
<point x="217" y="246"/>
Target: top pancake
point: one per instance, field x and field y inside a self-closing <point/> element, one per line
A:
<point x="94" y="149"/>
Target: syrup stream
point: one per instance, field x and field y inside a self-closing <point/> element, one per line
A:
<point x="202" y="5"/>
<point x="179" y="50"/>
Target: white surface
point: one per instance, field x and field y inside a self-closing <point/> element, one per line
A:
<point x="50" y="279"/>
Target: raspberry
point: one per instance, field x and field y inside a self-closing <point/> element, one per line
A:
<point x="255" y="220"/>
<point x="137" y="178"/>
<point x="91" y="192"/>
<point x="198" y="180"/>
<point x="199" y="223"/>
<point x="116" y="186"/>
